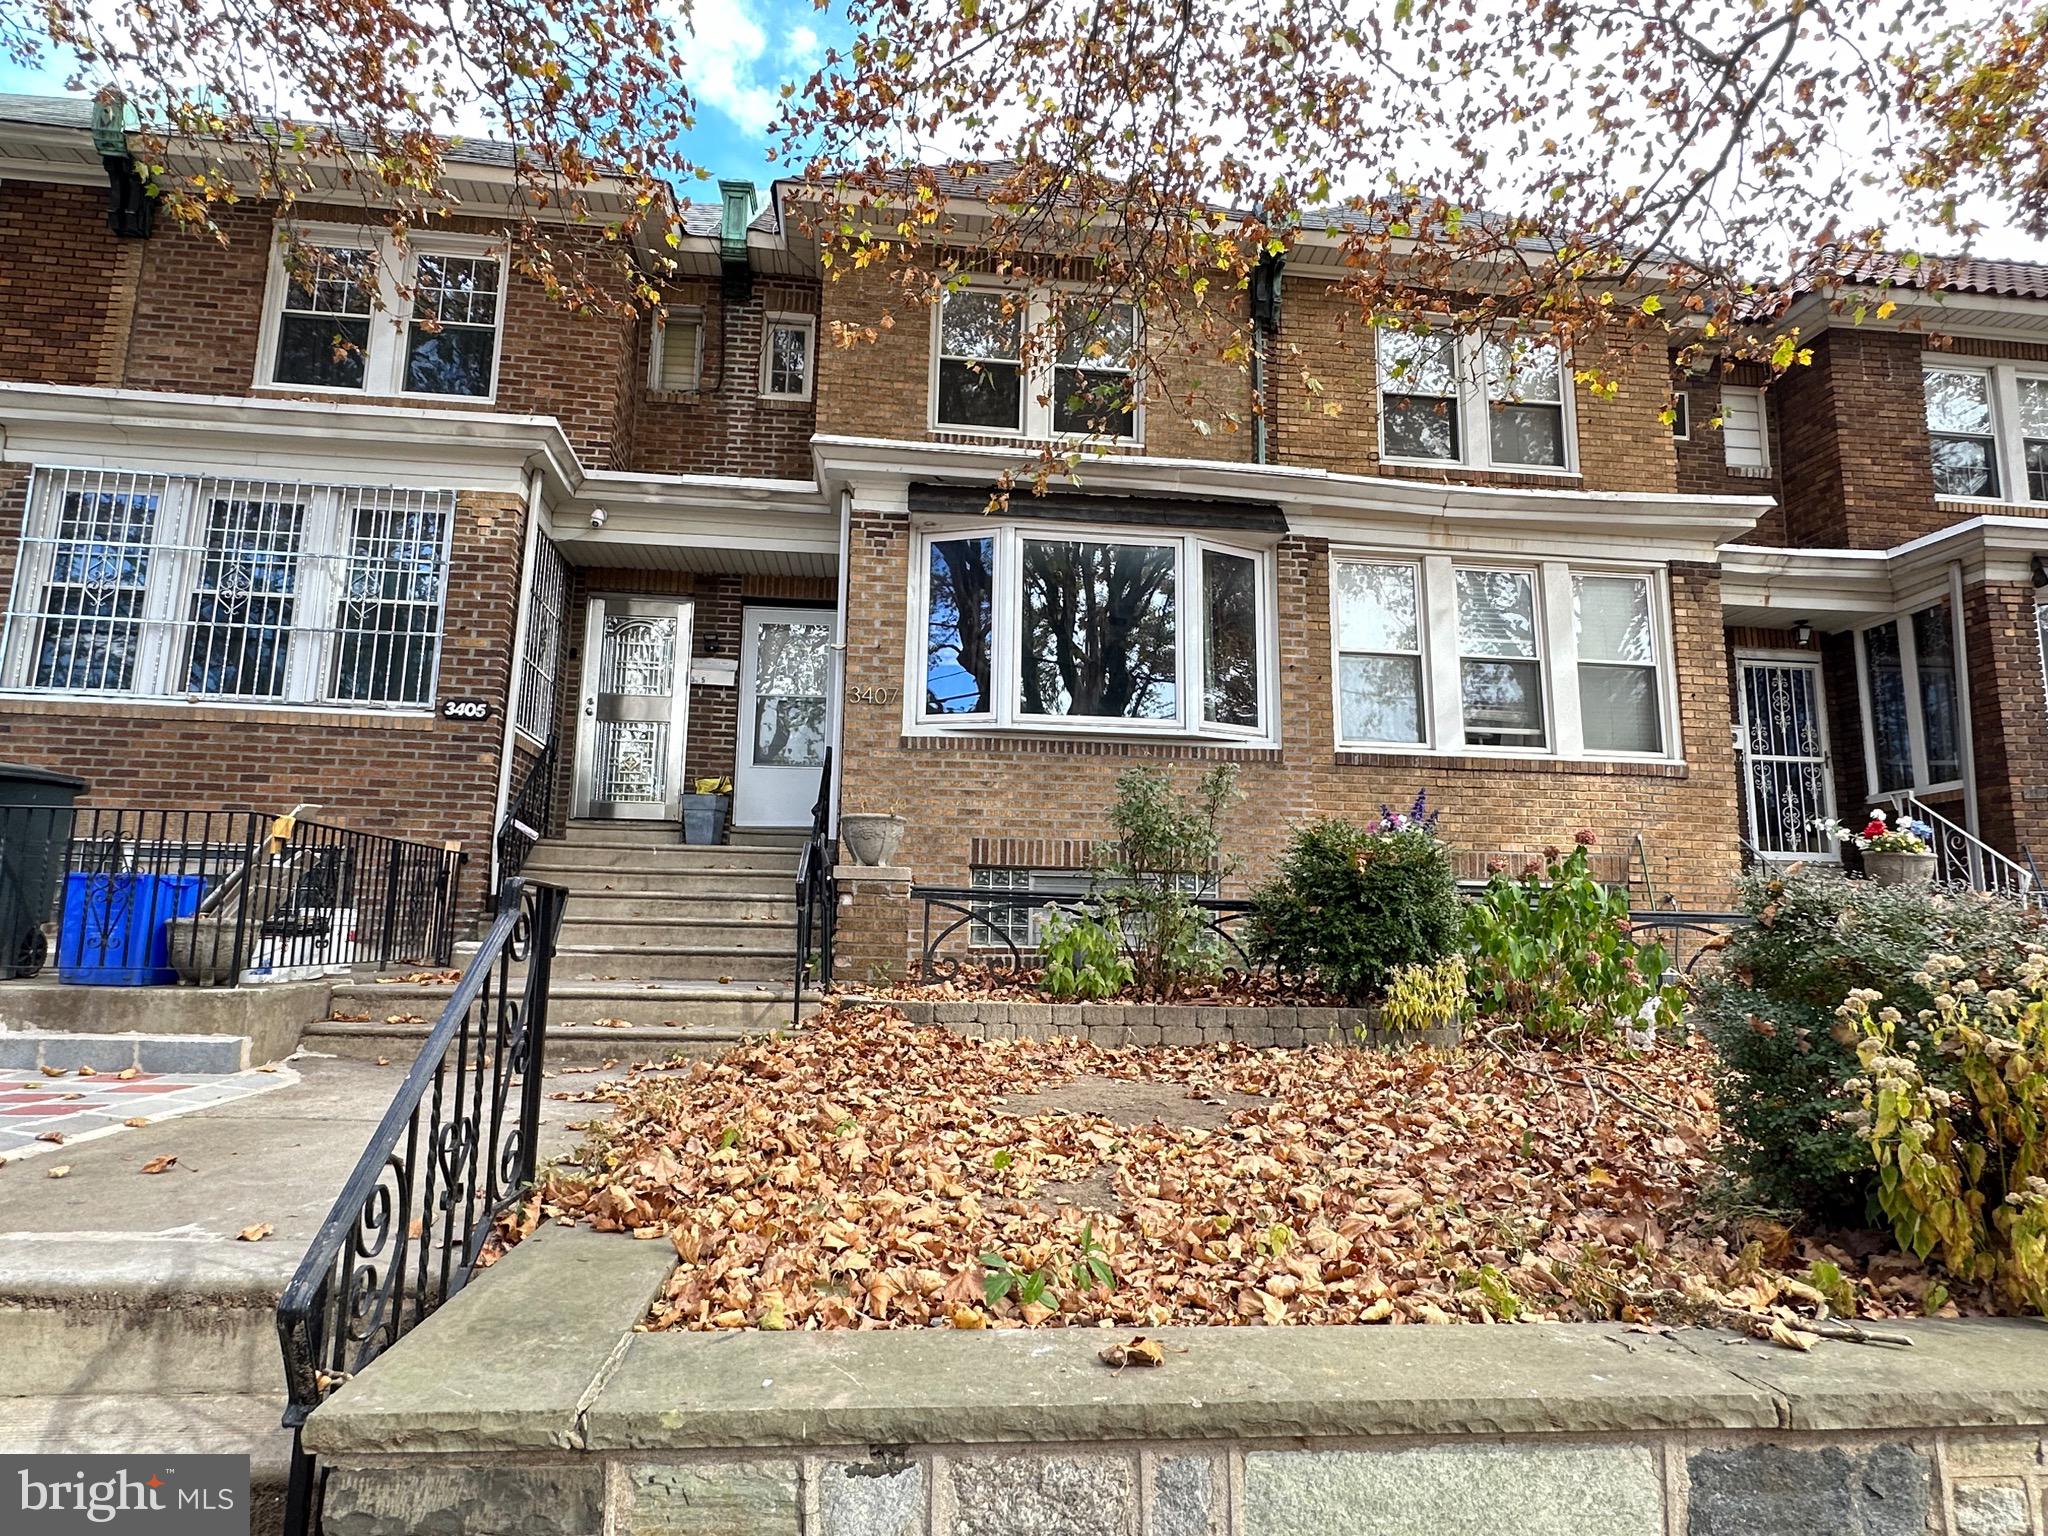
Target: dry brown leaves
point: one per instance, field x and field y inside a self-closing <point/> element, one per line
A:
<point x="855" y="1175"/>
<point x="975" y="981"/>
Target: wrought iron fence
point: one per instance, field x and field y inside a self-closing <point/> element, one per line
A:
<point x="453" y="1151"/>
<point x="817" y="897"/>
<point x="528" y="814"/>
<point x="1690" y="939"/>
<point x="218" y="897"/>
<point x="993" y="920"/>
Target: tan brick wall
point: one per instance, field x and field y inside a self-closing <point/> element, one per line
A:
<point x="1054" y="791"/>
<point x="403" y="775"/>
<point x="1324" y="389"/>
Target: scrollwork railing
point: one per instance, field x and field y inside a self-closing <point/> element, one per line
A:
<point x="456" y="1147"/>
<point x="992" y="920"/>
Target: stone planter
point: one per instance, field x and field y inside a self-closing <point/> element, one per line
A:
<point x="870" y="838"/>
<point x="202" y="949"/>
<point x="704" y="818"/>
<point x="1899" y="868"/>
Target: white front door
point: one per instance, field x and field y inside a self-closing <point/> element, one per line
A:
<point x="635" y="709"/>
<point x="785" y="715"/>
<point x="1786" y="784"/>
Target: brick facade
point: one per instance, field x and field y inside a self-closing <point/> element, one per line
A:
<point x="2008" y="716"/>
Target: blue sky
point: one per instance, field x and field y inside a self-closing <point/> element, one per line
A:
<point x="744" y="50"/>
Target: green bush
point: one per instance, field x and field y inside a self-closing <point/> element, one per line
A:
<point x="1168" y="847"/>
<point x="1434" y="996"/>
<point x="1769" y="1007"/>
<point x="1552" y="953"/>
<point x="1352" y="904"/>
<point x="1084" y="956"/>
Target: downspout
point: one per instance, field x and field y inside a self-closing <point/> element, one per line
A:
<point x="514" y="673"/>
<point x="1265" y="297"/>
<point x="1968" y="730"/>
<point x="838" y="737"/>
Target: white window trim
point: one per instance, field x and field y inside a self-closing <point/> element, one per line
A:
<point x="1475" y="407"/>
<point x="2007" y="438"/>
<point x="776" y="320"/>
<point x="384" y="365"/>
<point x="1036" y="320"/>
<point x="174" y="565"/>
<point x="1557" y="655"/>
<point x="657" y="347"/>
<point x="1007" y="617"/>
<point x="1426" y="703"/>
<point x="1681" y="427"/>
<point x="1916" y="722"/>
<point x="1763" y="427"/>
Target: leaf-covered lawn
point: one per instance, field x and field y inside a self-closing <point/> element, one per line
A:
<point x="867" y="1173"/>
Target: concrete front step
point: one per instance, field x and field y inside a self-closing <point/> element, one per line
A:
<point x="577" y="856"/>
<point x="647" y="962"/>
<point x="593" y="904"/>
<point x="581" y="930"/>
<point x="742" y="1005"/>
<point x="669" y="834"/>
<point x="754" y="883"/>
<point x="197" y="1055"/>
<point x="569" y="1045"/>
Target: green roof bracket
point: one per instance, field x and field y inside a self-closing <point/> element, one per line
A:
<point x="739" y="201"/>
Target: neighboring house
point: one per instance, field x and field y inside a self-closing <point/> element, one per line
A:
<point x="243" y="573"/>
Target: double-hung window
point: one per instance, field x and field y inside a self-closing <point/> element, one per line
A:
<point x="786" y="346"/>
<point x="1745" y="429"/>
<point x="1085" y="628"/>
<point x="1493" y="402"/>
<point x="1444" y="655"/>
<point x="195" y="587"/>
<point x="1912" y="708"/>
<point x="2033" y="393"/>
<point x="1039" y="363"/>
<point x="1960" y="431"/>
<point x="352" y="310"/>
<point x="675" y="361"/>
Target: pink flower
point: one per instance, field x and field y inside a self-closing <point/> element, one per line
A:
<point x="1584" y="837"/>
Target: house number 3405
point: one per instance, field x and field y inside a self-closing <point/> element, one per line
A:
<point x="872" y="693"/>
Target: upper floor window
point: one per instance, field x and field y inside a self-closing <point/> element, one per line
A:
<point x="1987" y="428"/>
<point x="211" y="587"/>
<point x="1485" y="403"/>
<point x="1912" y="707"/>
<point x="786" y="356"/>
<point x="675" y="360"/>
<point x="1745" y="428"/>
<point x="333" y="301"/>
<point x="1438" y="654"/>
<point x="1054" y="629"/>
<point x="1681" y="416"/>
<point x="995" y="372"/>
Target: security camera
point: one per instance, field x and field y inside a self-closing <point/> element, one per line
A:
<point x="597" y="517"/>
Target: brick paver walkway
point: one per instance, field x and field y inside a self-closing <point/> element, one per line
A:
<point x="40" y="1114"/>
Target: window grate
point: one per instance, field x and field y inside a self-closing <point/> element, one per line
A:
<point x="216" y="587"/>
<point x="540" y="674"/>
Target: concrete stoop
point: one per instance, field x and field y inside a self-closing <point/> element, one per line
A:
<point x="29" y="1050"/>
<point x="268" y="1018"/>
<point x="530" y="1403"/>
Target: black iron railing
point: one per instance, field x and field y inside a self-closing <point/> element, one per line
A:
<point x="454" y="1150"/>
<point x="817" y="897"/>
<point x="527" y="814"/>
<point x="221" y="898"/>
<point x="997" y="931"/>
<point x="1689" y="938"/>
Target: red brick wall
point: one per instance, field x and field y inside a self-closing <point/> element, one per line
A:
<point x="1853" y="443"/>
<point x="1703" y="460"/>
<point x="958" y="790"/>
<point x="2008" y="716"/>
<point x="412" y="776"/>
<point x="61" y="282"/>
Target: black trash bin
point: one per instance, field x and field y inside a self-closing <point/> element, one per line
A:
<point x="35" y="827"/>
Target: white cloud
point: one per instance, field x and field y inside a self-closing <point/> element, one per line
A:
<point x="723" y="65"/>
<point x="802" y="49"/>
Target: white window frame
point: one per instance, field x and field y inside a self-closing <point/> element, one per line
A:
<point x="391" y="321"/>
<point x="1425" y="704"/>
<point x="1681" y="420"/>
<point x="1762" y="400"/>
<point x="792" y="320"/>
<point x="177" y="559"/>
<point x="1656" y="663"/>
<point x="1474" y="407"/>
<point x="1035" y="322"/>
<point x="1916" y="719"/>
<point x="657" y="350"/>
<point x="1557" y="655"/>
<point x="2008" y="437"/>
<point x="1007" y="619"/>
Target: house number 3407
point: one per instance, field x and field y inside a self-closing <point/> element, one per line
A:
<point x="872" y="693"/>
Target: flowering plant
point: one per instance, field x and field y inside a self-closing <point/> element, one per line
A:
<point x="1879" y="836"/>
<point x="1419" y="817"/>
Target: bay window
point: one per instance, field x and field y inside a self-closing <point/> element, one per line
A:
<point x="1063" y="628"/>
<point x="335" y="296"/>
<point x="1438" y="654"/>
<point x="1493" y="402"/>
<point x="1960" y="431"/>
<point x="1912" y="708"/>
<point x="199" y="588"/>
<point x="1017" y="362"/>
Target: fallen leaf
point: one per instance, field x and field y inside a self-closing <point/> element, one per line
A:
<point x="162" y="1164"/>
<point x="383" y="1061"/>
<point x="53" y="1071"/>
<point x="1788" y="1337"/>
<point x="967" y="1317"/>
<point x="55" y="1138"/>
<point x="126" y="1073"/>
<point x="1137" y="1351"/>
<point x="256" y="1233"/>
<point x="88" y="1071"/>
<point x="59" y="1171"/>
<point x="135" y="1122"/>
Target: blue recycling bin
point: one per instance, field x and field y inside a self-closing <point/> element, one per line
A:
<point x="113" y="932"/>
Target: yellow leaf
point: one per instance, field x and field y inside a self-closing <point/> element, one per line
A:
<point x="59" y="1171"/>
<point x="966" y="1317"/>
<point x="127" y="1072"/>
<point x="256" y="1233"/>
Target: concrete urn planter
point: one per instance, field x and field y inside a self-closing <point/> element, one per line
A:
<point x="1899" y="868"/>
<point x="871" y="838"/>
<point x="202" y="949"/>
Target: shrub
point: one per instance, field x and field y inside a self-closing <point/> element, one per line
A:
<point x="1551" y="952"/>
<point x="1769" y="1008"/>
<point x="1084" y="956"/>
<point x="1351" y="904"/>
<point x="1433" y="996"/>
<point x="1168" y="847"/>
<point x="1955" y="1117"/>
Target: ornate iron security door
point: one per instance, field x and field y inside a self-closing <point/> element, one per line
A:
<point x="629" y="743"/>
<point x="1786" y="783"/>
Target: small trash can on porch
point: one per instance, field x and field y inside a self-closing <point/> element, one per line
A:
<point x="36" y="818"/>
<point x="115" y="927"/>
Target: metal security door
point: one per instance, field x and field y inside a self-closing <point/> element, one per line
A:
<point x="1786" y="784"/>
<point x="785" y="716"/>
<point x="629" y="750"/>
